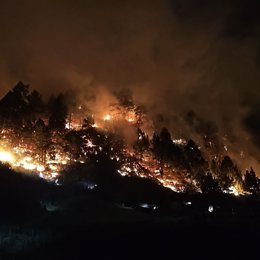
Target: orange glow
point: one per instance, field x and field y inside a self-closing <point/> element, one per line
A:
<point x="6" y="157"/>
<point x="107" y="118"/>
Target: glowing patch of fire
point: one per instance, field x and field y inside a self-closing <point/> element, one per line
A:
<point x="107" y="117"/>
<point x="179" y="141"/>
<point x="235" y="190"/>
<point x="6" y="157"/>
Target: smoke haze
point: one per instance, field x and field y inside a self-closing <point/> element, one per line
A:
<point x="176" y="56"/>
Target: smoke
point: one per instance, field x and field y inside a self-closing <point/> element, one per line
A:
<point x="176" y="56"/>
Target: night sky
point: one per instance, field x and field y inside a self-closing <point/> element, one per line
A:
<point x="176" y="56"/>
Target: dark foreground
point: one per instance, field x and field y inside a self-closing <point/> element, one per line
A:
<point x="43" y="221"/>
<point x="134" y="240"/>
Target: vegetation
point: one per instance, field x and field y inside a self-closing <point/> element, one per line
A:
<point x="46" y="129"/>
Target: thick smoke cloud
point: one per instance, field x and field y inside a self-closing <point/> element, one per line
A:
<point x="176" y="55"/>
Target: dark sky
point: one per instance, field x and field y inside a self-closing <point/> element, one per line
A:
<point x="176" y="55"/>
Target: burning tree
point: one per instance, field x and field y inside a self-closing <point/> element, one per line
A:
<point x="48" y="138"/>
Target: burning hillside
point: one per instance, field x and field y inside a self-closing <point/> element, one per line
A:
<point x="48" y="138"/>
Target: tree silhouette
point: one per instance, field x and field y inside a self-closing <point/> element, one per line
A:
<point x="125" y="98"/>
<point x="156" y="146"/>
<point x="73" y="144"/>
<point x="251" y="182"/>
<point x="166" y="144"/>
<point x="42" y="139"/>
<point x="59" y="113"/>
<point x="209" y="184"/>
<point x="197" y="165"/>
<point x="142" y="143"/>
<point x="36" y="104"/>
<point x="14" y="108"/>
<point x="166" y="151"/>
<point x="228" y="173"/>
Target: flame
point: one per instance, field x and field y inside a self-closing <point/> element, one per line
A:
<point x="53" y="167"/>
<point x="146" y="165"/>
<point x="6" y="157"/>
<point x="40" y="168"/>
<point x="107" y="117"/>
<point x="235" y="189"/>
<point x="29" y="166"/>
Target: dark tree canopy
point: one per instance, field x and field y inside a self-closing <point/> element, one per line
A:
<point x="251" y="182"/>
<point x="209" y="184"/>
<point x="59" y="113"/>
<point x="228" y="173"/>
<point x="14" y="106"/>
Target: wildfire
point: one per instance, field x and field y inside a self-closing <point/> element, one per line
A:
<point x="173" y="185"/>
<point x="236" y="190"/>
<point x="107" y="117"/>
<point x="40" y="168"/>
<point x="24" y="159"/>
<point x="130" y="119"/>
<point x="47" y="155"/>
<point x="124" y="115"/>
<point x="6" y="157"/>
<point x="179" y="141"/>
